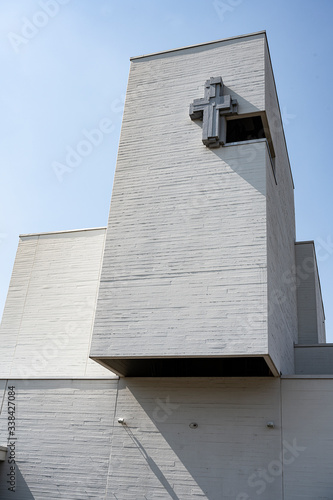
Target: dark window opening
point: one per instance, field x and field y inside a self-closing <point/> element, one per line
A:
<point x="245" y="129"/>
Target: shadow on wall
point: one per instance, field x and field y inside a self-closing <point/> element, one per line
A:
<point x="155" y="469"/>
<point x="195" y="438"/>
<point x="22" y="491"/>
<point x="247" y="160"/>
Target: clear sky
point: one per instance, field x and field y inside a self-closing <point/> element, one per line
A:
<point x="64" y="70"/>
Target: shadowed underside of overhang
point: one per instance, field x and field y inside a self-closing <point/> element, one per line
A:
<point x="188" y="367"/>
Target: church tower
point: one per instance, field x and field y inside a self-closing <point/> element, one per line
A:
<point x="199" y="272"/>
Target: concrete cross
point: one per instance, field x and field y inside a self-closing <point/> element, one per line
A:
<point x="212" y="110"/>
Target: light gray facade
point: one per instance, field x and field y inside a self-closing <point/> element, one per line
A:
<point x="196" y="294"/>
<point x="47" y="324"/>
<point x="177" y="251"/>
<point x="63" y="438"/>
<point x="199" y="239"/>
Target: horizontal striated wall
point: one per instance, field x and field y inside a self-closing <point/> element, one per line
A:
<point x="184" y="269"/>
<point x="48" y="318"/>
<point x="62" y="439"/>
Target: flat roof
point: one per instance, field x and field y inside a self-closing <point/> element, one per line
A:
<point x="263" y="32"/>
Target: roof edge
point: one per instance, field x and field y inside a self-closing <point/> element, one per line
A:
<point x="64" y="231"/>
<point x="263" y="32"/>
<point x="307" y="242"/>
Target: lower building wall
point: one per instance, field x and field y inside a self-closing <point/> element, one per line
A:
<point x="182" y="439"/>
<point x="158" y="455"/>
<point x="62" y="438"/>
<point x="307" y="411"/>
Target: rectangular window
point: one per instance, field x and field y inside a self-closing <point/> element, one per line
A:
<point x="245" y="129"/>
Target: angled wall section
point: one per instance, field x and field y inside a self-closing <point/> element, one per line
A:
<point x="281" y="290"/>
<point x="310" y="309"/>
<point x="48" y="318"/>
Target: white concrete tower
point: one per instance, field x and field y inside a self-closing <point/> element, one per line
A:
<point x="199" y="266"/>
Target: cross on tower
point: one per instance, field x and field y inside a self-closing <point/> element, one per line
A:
<point x="212" y="110"/>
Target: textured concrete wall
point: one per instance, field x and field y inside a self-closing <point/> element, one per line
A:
<point x="307" y="409"/>
<point x="306" y="295"/>
<point x="48" y="317"/>
<point x="314" y="359"/>
<point x="3" y="404"/>
<point x="232" y="454"/>
<point x="185" y="257"/>
<point x="311" y="319"/>
<point x="158" y="456"/>
<point x="70" y="445"/>
<point x="281" y="290"/>
<point x="63" y="439"/>
<point x="321" y="328"/>
<point x="320" y="315"/>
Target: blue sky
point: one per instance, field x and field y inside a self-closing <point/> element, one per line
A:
<point x="64" y="72"/>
